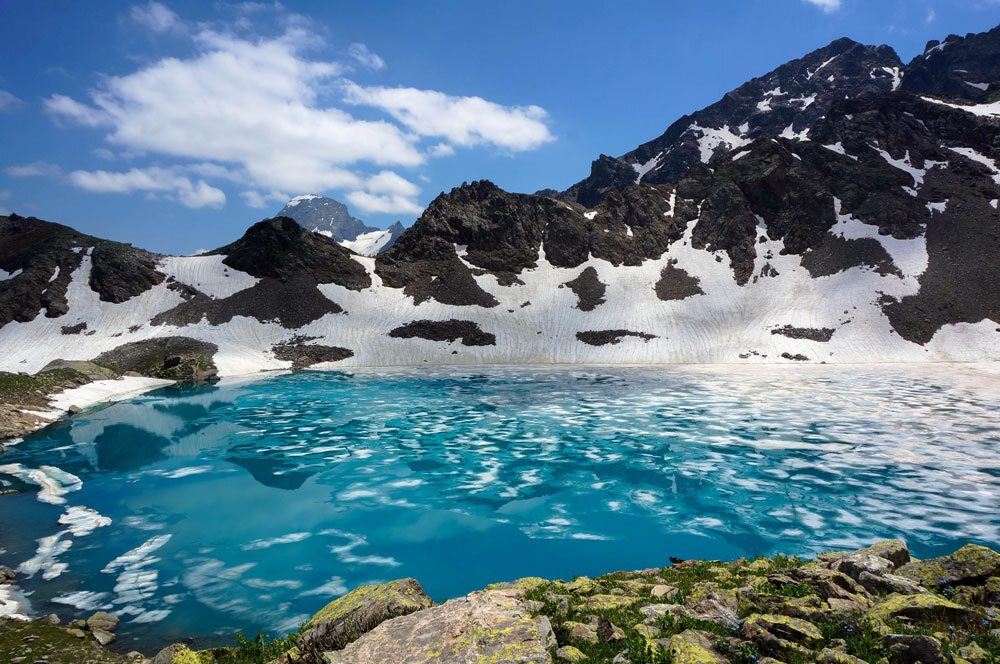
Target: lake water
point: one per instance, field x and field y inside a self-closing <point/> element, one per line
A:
<point x="250" y="504"/>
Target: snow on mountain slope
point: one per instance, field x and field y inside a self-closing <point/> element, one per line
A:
<point x="869" y="234"/>
<point x="331" y="218"/>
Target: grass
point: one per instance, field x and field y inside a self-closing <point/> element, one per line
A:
<point x="258" y="650"/>
<point x="32" y="390"/>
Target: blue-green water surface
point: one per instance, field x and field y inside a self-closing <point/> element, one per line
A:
<point x="250" y="504"/>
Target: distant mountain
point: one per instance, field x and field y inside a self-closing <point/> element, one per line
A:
<point x="331" y="218"/>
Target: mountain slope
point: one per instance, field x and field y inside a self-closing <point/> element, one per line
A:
<point x="876" y="240"/>
<point x="331" y="218"/>
<point x="786" y="101"/>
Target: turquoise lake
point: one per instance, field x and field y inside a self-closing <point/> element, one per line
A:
<point x="251" y="503"/>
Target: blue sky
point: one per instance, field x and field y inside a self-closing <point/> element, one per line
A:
<point x="175" y="125"/>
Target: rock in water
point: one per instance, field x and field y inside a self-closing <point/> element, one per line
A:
<point x="357" y="612"/>
<point x="487" y="626"/>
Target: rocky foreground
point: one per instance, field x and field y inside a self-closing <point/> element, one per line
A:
<point x="876" y="605"/>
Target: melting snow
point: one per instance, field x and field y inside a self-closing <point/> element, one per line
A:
<point x="368" y="244"/>
<point x="992" y="109"/>
<point x="711" y="139"/>
<point x="298" y="199"/>
<point x="982" y="159"/>
<point x="642" y="169"/>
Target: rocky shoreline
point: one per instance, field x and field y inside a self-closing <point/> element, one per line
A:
<point x="876" y="605"/>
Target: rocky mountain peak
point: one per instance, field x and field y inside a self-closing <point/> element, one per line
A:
<point x="325" y="215"/>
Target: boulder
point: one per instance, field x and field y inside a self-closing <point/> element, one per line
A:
<point x="607" y="631"/>
<point x="345" y="619"/>
<point x="103" y="637"/>
<point x="545" y="629"/>
<point x="889" y="583"/>
<point x="582" y="585"/>
<point x="694" y="646"/>
<point x="486" y="626"/>
<point x="706" y="601"/>
<point x="580" y="632"/>
<point x="179" y="653"/>
<point x="663" y="591"/>
<point x="830" y="656"/>
<point x="102" y="621"/>
<point x="570" y="654"/>
<point x="781" y="633"/>
<point x="913" y="648"/>
<point x="970" y="565"/>
<point x="920" y="607"/>
<point x="895" y="551"/>
<point x="607" y="602"/>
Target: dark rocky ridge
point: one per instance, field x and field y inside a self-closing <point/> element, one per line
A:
<point x="281" y="249"/>
<point x="446" y="330"/>
<point x="857" y="71"/>
<point x="40" y="248"/>
<point x="946" y="69"/>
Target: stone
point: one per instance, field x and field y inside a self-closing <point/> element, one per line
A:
<point x="991" y="591"/>
<point x="912" y="648"/>
<point x="830" y="656"/>
<point x="103" y="637"/>
<point x="889" y="583"/>
<point x="103" y="621"/>
<point x="973" y="653"/>
<point x="179" y="653"/>
<point x="78" y="633"/>
<point x="52" y="619"/>
<point x="971" y="565"/>
<point x="548" y="634"/>
<point x="783" y="628"/>
<point x="706" y="601"/>
<point x="607" y="602"/>
<point x="534" y="605"/>
<point x="920" y="607"/>
<point x="485" y="626"/>
<point x="663" y="591"/>
<point x="523" y="585"/>
<point x="345" y="619"/>
<point x="79" y="624"/>
<point x="853" y="564"/>
<point x="654" y="612"/>
<point x="694" y="647"/>
<point x="607" y="631"/>
<point x="895" y="551"/>
<point x="581" y="586"/>
<point x="570" y="654"/>
<point x="581" y="632"/>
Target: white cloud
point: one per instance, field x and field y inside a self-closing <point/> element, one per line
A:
<point x="256" y="112"/>
<point x="169" y="181"/>
<point x="9" y="102"/>
<point x="256" y="199"/>
<point x="931" y="15"/>
<point x="105" y="153"/>
<point x="828" y="6"/>
<point x="34" y="169"/>
<point x="441" y="150"/>
<point x="461" y="120"/>
<point x="361" y="53"/>
<point x="63" y="107"/>
<point x="248" y="103"/>
<point x="156" y="17"/>
<point x="387" y="193"/>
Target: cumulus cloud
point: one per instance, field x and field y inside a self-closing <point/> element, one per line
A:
<point x="34" y="169"/>
<point x="9" y="102"/>
<point x="156" y="17"/>
<point x="168" y="181"/>
<point x="931" y="15"/>
<point x="461" y="120"/>
<point x="257" y="112"/>
<point x="361" y="53"/>
<point x="827" y="6"/>
<point x="386" y="192"/>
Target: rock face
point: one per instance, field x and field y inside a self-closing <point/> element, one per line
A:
<point x="786" y="101"/>
<point x="356" y="613"/>
<point x="331" y="218"/>
<point x="325" y="215"/>
<point x="488" y="626"/>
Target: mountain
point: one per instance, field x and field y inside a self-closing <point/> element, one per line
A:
<point x="873" y="238"/>
<point x="331" y="218"/>
<point x="785" y="102"/>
